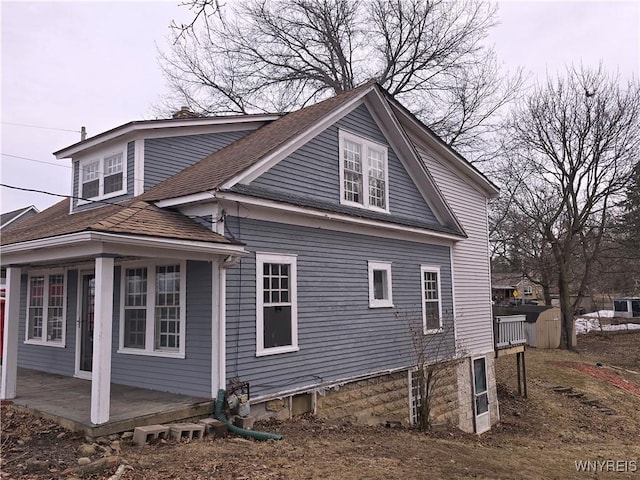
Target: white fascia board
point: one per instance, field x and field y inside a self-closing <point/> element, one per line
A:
<point x="270" y="210"/>
<point x="81" y="244"/>
<point x="187" y="199"/>
<point x="461" y="166"/>
<point x="268" y="161"/>
<point x="167" y="128"/>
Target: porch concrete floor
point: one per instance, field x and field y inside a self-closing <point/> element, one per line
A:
<point x="67" y="400"/>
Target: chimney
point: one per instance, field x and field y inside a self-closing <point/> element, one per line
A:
<point x="184" y="112"/>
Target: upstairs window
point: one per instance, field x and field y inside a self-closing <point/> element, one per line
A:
<point x="364" y="175"/>
<point x="103" y="176"/>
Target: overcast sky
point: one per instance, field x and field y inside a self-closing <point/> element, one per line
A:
<point x="93" y="64"/>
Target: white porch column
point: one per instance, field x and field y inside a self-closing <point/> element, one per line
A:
<point x="102" y="328"/>
<point x="10" y="340"/>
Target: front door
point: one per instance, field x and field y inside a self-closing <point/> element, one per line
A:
<point x="85" y="324"/>
<point x="480" y="395"/>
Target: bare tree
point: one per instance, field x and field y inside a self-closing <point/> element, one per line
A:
<point x="571" y="147"/>
<point x="261" y="55"/>
<point x="434" y="357"/>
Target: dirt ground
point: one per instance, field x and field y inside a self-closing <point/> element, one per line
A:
<point x="540" y="437"/>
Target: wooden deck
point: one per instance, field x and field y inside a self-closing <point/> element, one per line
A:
<point x="67" y="401"/>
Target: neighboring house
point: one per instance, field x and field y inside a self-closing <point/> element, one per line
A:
<point x="504" y="285"/>
<point x="14" y="218"/>
<point x="17" y="216"/>
<point x="290" y="252"/>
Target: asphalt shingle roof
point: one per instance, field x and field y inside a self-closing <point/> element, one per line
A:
<point x="212" y="171"/>
<point x="134" y="217"/>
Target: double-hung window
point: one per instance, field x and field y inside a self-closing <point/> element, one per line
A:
<point x="276" y="304"/>
<point x="103" y="175"/>
<point x="380" y="292"/>
<point x="153" y="309"/>
<point x="364" y="178"/>
<point x="46" y="309"/>
<point x="431" y="299"/>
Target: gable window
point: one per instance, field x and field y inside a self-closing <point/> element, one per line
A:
<point x="153" y="309"/>
<point x="46" y="309"/>
<point x="104" y="176"/>
<point x="528" y="290"/>
<point x="276" y="304"/>
<point x="380" y="293"/>
<point x="431" y="301"/>
<point x="363" y="173"/>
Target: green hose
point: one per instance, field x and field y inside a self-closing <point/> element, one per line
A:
<point x="219" y="415"/>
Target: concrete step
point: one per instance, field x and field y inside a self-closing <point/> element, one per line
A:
<point x="143" y="435"/>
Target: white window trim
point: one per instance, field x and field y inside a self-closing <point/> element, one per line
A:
<point x="45" y="311"/>
<point x="366" y="144"/>
<point x="291" y="260"/>
<point x="423" y="270"/>
<point x="100" y="156"/>
<point x="527" y="290"/>
<point x="373" y="302"/>
<point x="150" y="349"/>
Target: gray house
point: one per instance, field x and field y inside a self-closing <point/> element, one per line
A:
<point x="297" y="253"/>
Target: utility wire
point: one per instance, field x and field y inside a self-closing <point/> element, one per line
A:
<point x="39" y="126"/>
<point x="34" y="160"/>
<point x="206" y="218"/>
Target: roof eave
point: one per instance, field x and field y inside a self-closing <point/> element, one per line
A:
<point x="143" y="125"/>
<point x="95" y="243"/>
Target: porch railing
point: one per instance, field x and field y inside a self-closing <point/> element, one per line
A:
<point x="509" y="331"/>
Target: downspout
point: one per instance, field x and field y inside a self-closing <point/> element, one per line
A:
<point x="219" y="415"/>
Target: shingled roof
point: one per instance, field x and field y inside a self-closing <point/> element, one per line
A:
<point x="132" y="218"/>
<point x="212" y="171"/>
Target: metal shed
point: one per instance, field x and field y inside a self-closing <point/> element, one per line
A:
<point x="543" y="325"/>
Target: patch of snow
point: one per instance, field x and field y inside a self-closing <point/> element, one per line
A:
<point x="600" y="314"/>
<point x="587" y="323"/>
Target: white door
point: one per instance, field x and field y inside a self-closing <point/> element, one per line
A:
<point x="480" y="395"/>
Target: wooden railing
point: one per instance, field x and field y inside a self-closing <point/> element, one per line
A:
<point x="508" y="331"/>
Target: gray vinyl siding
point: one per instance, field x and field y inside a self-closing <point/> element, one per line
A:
<point x="314" y="169"/>
<point x="164" y="157"/>
<point x="188" y="376"/>
<point x="339" y="336"/>
<point x="471" y="268"/>
<point x="46" y="358"/>
<point x="130" y="182"/>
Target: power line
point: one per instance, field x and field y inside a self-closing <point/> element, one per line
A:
<point x="34" y="160"/>
<point x="41" y="127"/>
<point x="104" y="202"/>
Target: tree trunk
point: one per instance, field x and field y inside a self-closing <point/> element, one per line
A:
<point x="567" y="337"/>
<point x="546" y="292"/>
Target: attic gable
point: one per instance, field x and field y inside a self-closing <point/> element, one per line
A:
<point x="248" y="158"/>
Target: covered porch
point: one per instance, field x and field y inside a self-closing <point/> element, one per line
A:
<point x="67" y="401"/>
<point x="123" y="295"/>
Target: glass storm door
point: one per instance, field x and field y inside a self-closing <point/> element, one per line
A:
<point x="481" y="395"/>
<point x="86" y="321"/>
